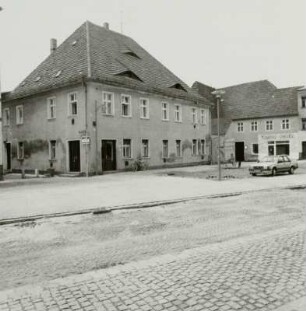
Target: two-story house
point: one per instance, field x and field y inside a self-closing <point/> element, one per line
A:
<point x="257" y="119"/>
<point x="98" y="102"/>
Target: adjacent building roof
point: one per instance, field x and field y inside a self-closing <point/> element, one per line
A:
<point x="260" y="99"/>
<point x="96" y="53"/>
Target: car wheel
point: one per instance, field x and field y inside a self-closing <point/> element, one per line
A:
<point x="291" y="171"/>
<point x="273" y="172"/>
<point x="253" y="174"/>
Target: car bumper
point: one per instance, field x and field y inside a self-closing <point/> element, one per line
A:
<point x="260" y="171"/>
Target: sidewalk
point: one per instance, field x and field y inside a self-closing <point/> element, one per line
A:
<point x="60" y="195"/>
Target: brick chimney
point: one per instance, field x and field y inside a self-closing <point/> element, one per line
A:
<point x="53" y="45"/>
<point x="106" y="26"/>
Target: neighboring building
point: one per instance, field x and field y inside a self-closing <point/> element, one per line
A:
<point x="98" y="102"/>
<point x="258" y="119"/>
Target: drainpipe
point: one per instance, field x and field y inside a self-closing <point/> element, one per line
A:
<point x="86" y="127"/>
<point x="96" y="134"/>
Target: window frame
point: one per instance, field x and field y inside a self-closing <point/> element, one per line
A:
<point x="51" y="148"/>
<point x="129" y="115"/>
<point x="285" y="124"/>
<point x="194" y="115"/>
<point x="123" y="149"/>
<point x="6" y="116"/>
<point x="202" y="144"/>
<point x="178" y="154"/>
<point x="49" y="106"/>
<point x="20" y="156"/>
<point x="106" y="102"/>
<point x="240" y="127"/>
<point x="163" y="145"/>
<point x="255" y="144"/>
<point x="70" y="102"/>
<point x="254" y="126"/>
<point x="142" y="148"/>
<point x="142" y="107"/>
<point x="269" y="125"/>
<point x="194" y="147"/>
<point x="19" y="121"/>
<point x="303" y="124"/>
<point x="166" y="110"/>
<point x="178" y="113"/>
<point x="203" y="116"/>
<point x="303" y="102"/>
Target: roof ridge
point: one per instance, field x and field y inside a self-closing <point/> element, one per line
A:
<point x="89" y="73"/>
<point x="245" y="83"/>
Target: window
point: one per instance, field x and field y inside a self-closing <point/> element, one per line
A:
<point x="178" y="145"/>
<point x="165" y="111"/>
<point x="255" y="148"/>
<point x="202" y="146"/>
<point x="19" y="114"/>
<point x="269" y="125"/>
<point x="278" y="147"/>
<point x="203" y="117"/>
<point x="107" y="103"/>
<point x="178" y="113"/>
<point x="303" y="101"/>
<point x="20" y="150"/>
<point x="254" y="126"/>
<point x="126" y="110"/>
<point x="72" y="104"/>
<point x="240" y="126"/>
<point x="51" y="108"/>
<point x="194" y="147"/>
<point x="194" y="115"/>
<point x="52" y="149"/>
<point x="285" y="124"/>
<point x="6" y="117"/>
<point x="165" y="149"/>
<point x="144" y="108"/>
<point x="145" y="148"/>
<point x="303" y="124"/>
<point x="126" y="149"/>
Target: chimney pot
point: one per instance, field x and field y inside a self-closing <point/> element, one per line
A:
<point x="106" y="26"/>
<point x="53" y="45"/>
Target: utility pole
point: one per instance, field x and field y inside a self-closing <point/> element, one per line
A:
<point x="218" y="94"/>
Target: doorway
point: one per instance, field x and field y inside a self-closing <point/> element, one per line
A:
<point x="8" y="148"/>
<point x="303" y="150"/>
<point x="239" y="151"/>
<point x="108" y="153"/>
<point x="74" y="156"/>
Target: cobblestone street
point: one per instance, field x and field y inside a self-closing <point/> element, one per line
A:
<point x="235" y="253"/>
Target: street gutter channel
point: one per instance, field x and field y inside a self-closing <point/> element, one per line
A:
<point x="103" y="210"/>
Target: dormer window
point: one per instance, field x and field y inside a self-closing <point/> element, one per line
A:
<point x="131" y="53"/>
<point x="129" y="74"/>
<point x="178" y="86"/>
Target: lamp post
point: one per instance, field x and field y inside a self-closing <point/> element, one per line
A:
<point x="218" y="94"/>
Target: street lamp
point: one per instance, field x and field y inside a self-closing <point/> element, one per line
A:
<point x="218" y="94"/>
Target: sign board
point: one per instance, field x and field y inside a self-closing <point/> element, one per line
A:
<point x="85" y="140"/>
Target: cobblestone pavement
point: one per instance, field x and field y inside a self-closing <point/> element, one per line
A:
<point x="261" y="272"/>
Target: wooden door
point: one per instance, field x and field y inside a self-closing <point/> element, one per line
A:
<point x="108" y="153"/>
<point x="74" y="156"/>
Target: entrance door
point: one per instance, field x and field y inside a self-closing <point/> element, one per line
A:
<point x="239" y="151"/>
<point x="8" y="156"/>
<point x="108" y="155"/>
<point x="303" y="155"/>
<point x="74" y="156"/>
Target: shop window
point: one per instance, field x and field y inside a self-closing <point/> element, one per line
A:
<point x="282" y="147"/>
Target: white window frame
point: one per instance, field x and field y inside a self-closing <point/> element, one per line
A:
<point x="129" y="105"/>
<point x="6" y="117"/>
<point x="194" y="147"/>
<point x="20" y="156"/>
<point x="269" y="125"/>
<point x="142" y="148"/>
<point x="178" y="113"/>
<point x="71" y="102"/>
<point x="51" y="148"/>
<point x="51" y="103"/>
<point x="194" y="115"/>
<point x="165" y="156"/>
<point x="19" y="120"/>
<point x="108" y="104"/>
<point x="124" y="149"/>
<point x="144" y="105"/>
<point x="203" y="116"/>
<point x="285" y="125"/>
<point x="179" y="155"/>
<point x="240" y="127"/>
<point x="254" y="126"/>
<point x="165" y="111"/>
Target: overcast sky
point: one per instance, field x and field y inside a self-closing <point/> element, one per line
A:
<point x="217" y="42"/>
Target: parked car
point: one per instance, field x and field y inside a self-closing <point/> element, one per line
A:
<point x="271" y="165"/>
